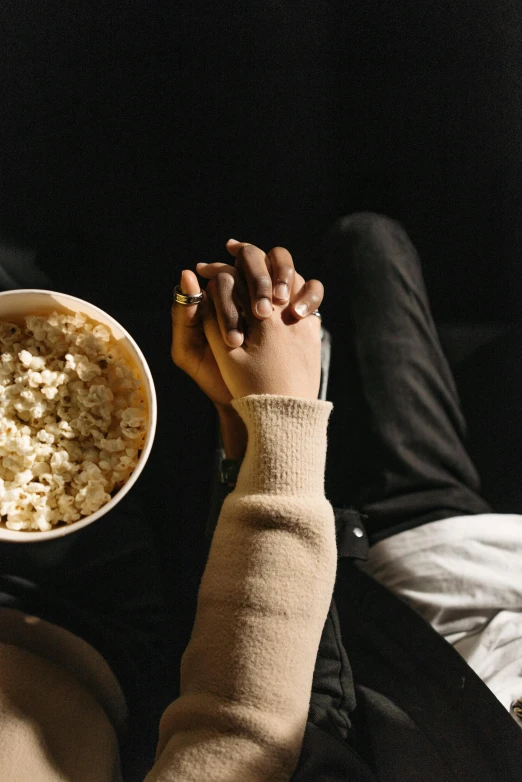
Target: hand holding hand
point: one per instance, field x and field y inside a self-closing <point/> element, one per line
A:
<point x="236" y="291"/>
<point x="280" y="354"/>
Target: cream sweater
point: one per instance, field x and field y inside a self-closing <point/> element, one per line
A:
<point x="246" y="674"/>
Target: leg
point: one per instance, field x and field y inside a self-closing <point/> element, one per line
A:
<point x="103" y="584"/>
<point x="396" y="434"/>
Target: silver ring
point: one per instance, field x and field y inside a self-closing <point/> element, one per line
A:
<point x="183" y="298"/>
<point x="317" y="313"/>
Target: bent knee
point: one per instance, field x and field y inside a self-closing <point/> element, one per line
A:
<point x="367" y="221"/>
<point x="51" y="727"/>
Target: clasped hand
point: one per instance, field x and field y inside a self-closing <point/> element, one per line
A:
<point x="229" y="347"/>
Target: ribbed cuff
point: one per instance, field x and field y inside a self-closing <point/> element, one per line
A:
<point x="287" y="441"/>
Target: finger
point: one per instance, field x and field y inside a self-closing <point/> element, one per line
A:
<point x="241" y="294"/>
<point x="308" y="299"/>
<point x="209" y="270"/>
<point x="226" y="309"/>
<point x="299" y="283"/>
<point x="242" y="299"/>
<point x="187" y="332"/>
<point x="233" y="246"/>
<point x="282" y="273"/>
<point x="188" y="285"/>
<point x="253" y="263"/>
<point x="281" y="259"/>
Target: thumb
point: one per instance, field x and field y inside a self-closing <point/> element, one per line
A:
<point x="188" y="285"/>
<point x="187" y="328"/>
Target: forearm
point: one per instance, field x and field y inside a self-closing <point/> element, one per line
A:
<point x="246" y="674"/>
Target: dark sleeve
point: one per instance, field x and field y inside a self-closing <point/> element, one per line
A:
<point x="224" y="475"/>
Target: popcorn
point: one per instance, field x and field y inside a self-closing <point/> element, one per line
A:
<point x="49" y="393"/>
<point x="101" y="333"/>
<point x="26" y="358"/>
<point x="72" y="420"/>
<point x="23" y="477"/>
<point x="132" y="422"/>
<point x="10" y="333"/>
<point x="112" y="445"/>
<point x="60" y="461"/>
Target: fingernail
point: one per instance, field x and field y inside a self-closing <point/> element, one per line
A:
<point x="281" y="290"/>
<point x="301" y="309"/>
<point x="263" y="307"/>
<point x="233" y="240"/>
<point x="235" y="338"/>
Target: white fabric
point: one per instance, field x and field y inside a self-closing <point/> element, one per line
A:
<point x="464" y="576"/>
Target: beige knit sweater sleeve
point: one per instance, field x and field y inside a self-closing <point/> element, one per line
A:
<point x="246" y="674"/>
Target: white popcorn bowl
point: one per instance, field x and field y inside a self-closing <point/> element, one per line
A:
<point x="14" y="305"/>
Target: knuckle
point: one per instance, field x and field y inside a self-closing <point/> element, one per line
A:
<point x="224" y="278"/>
<point x="284" y="274"/>
<point x="246" y="256"/>
<point x="224" y="282"/>
<point x="282" y="264"/>
<point x="263" y="284"/>
<point x="280" y="252"/>
<point x="249" y="251"/>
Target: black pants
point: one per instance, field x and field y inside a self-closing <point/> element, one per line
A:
<point x="396" y="434"/>
<point x="395" y="454"/>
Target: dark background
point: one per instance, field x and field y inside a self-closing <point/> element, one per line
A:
<point x="137" y="137"/>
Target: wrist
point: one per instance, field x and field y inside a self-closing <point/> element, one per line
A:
<point x="224" y="409"/>
<point x="233" y="433"/>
